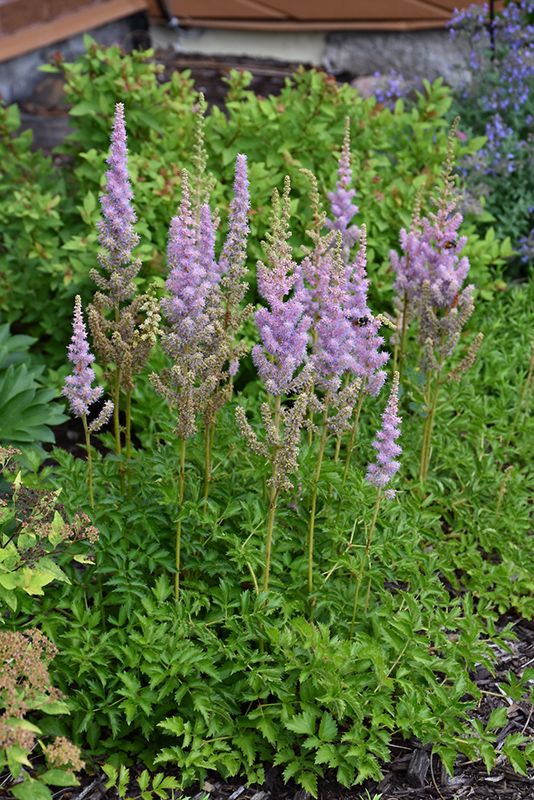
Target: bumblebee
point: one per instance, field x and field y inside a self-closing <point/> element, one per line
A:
<point x="450" y="245"/>
<point x="361" y="322"/>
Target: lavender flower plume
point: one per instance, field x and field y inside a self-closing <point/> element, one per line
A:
<point x="77" y="387"/>
<point x="283" y="329"/>
<point x="380" y="474"/>
<point x="206" y="246"/>
<point x="333" y="350"/>
<point x="234" y="249"/>
<point x="366" y="342"/>
<point x="187" y="283"/>
<point x="343" y="209"/>
<point x="432" y="250"/>
<point x="115" y="230"/>
<point x="228" y="294"/>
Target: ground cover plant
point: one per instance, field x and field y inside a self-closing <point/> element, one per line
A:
<point x="275" y="580"/>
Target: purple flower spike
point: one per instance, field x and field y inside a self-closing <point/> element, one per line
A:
<point x="431" y="253"/>
<point x="343" y="209"/>
<point x="380" y="474"/>
<point x="115" y="231"/>
<point x="333" y="351"/>
<point x="206" y="246"/>
<point x="77" y="387"/>
<point x="283" y="329"/>
<point x="234" y="249"/>
<point x="366" y="341"/>
<point x="187" y="283"/>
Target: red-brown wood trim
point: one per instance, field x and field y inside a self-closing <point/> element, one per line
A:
<point x="320" y="25"/>
<point x="67" y="25"/>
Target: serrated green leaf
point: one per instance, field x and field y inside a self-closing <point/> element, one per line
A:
<point x="327" y="728"/>
<point x="498" y="718"/>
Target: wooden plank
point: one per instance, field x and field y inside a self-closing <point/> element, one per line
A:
<point x="315" y="10"/>
<point x="44" y="34"/>
<point x="400" y="15"/>
<point x="272" y="26"/>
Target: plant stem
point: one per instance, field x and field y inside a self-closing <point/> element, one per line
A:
<point x="425" y="455"/>
<point x="366" y="553"/>
<point x="314" y="497"/>
<point x="208" y="441"/>
<point x="338" y="440"/>
<point x="129" y="439"/>
<point x="273" y="499"/>
<point x="403" y="338"/>
<point x="128" y="424"/>
<point x="91" y="497"/>
<point x="526" y="385"/>
<point x="428" y="390"/>
<point x="350" y="448"/>
<point x="116" y="424"/>
<point x="181" y="481"/>
<point x="89" y="461"/>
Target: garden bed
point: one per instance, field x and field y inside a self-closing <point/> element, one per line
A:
<point x="462" y="531"/>
<point x="408" y="774"/>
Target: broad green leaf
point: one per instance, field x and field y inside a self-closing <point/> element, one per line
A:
<point x="31" y="790"/>
<point x="58" y="777"/>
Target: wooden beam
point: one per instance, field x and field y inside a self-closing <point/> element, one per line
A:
<point x="326" y="25"/>
<point x="41" y="35"/>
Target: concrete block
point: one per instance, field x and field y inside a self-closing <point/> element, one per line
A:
<point x="426" y="54"/>
<point x="305" y="47"/>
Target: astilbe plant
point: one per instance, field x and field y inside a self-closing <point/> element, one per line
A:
<point x="381" y="473"/>
<point x="428" y="286"/>
<point x="78" y="387"/>
<point x="318" y="315"/>
<point x="204" y="317"/>
<point x="345" y="343"/>
<point x="122" y="342"/>
<point x="284" y="335"/>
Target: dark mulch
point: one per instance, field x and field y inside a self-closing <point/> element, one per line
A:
<point x="410" y="774"/>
